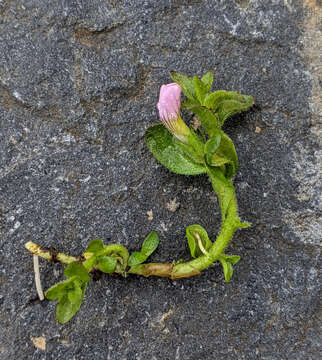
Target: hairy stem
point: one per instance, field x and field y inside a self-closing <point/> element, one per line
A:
<point x="230" y="222"/>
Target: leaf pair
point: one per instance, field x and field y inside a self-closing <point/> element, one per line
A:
<point x="193" y="87"/>
<point x="227" y="262"/>
<point x="169" y="153"/>
<point x="198" y="240"/>
<point x="104" y="263"/>
<point x="69" y="293"/>
<point x="220" y="152"/>
<point x="149" y="245"/>
<point x="196" y="91"/>
<point x="226" y="103"/>
<point x="212" y="108"/>
<point x="199" y="244"/>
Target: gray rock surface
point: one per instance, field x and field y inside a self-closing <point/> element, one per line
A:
<point x="78" y="85"/>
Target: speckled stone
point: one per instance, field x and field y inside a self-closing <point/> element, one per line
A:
<point x="78" y="85"/>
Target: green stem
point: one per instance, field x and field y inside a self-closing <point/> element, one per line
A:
<point x="228" y="228"/>
<point x="230" y="222"/>
<point x="114" y="249"/>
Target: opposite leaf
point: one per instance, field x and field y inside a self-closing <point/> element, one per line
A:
<point x="207" y="79"/>
<point x="77" y="269"/>
<point x="95" y="246"/>
<point x="244" y="225"/>
<point x="226" y="153"/>
<point x="189" y="104"/>
<point x="66" y="308"/>
<point x="212" y="145"/>
<point x="186" y="84"/>
<point x="136" y="258"/>
<point x="75" y="294"/>
<point x="58" y="290"/>
<point x="208" y="119"/>
<point x="200" y="89"/>
<point x="228" y="269"/>
<point x="227" y="103"/>
<point x="213" y="99"/>
<point x="198" y="240"/>
<point x="233" y="259"/>
<point x="162" y="145"/>
<point x="150" y="243"/>
<point x="106" y="264"/>
<point x="231" y="107"/>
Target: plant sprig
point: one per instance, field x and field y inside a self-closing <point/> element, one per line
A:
<point x="183" y="151"/>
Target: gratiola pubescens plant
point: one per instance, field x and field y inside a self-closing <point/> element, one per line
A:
<point x="206" y="149"/>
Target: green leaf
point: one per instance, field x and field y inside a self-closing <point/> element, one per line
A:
<point x="95" y="246"/>
<point x="185" y="82"/>
<point x="228" y="269"/>
<point x="193" y="232"/>
<point x="75" y="294"/>
<point x="212" y="145"/>
<point x="223" y="188"/>
<point x="137" y="258"/>
<point x="189" y="103"/>
<point x="213" y="99"/>
<point x="162" y="145"/>
<point x="244" y="225"/>
<point x="57" y="291"/>
<point x="189" y="151"/>
<point x="200" y="89"/>
<point x="226" y="150"/>
<point x="69" y="294"/>
<point x="119" y="253"/>
<point x="227" y="103"/>
<point x="207" y="79"/>
<point x="66" y="309"/>
<point x="231" y="107"/>
<point x="208" y="119"/>
<point x="216" y="160"/>
<point x="150" y="243"/>
<point x="77" y="269"/>
<point x="233" y="259"/>
<point x="106" y="264"/>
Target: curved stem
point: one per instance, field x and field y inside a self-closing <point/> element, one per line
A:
<point x="230" y="222"/>
<point x="228" y="229"/>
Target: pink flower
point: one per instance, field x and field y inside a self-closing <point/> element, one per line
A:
<point x="169" y="111"/>
<point x="169" y="101"/>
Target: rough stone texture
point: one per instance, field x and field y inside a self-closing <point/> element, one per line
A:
<point x="78" y="85"/>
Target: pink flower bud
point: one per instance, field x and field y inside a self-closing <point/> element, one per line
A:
<point x="169" y="111"/>
<point x="169" y="101"/>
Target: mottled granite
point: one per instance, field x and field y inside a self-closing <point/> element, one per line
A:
<point x="78" y="85"/>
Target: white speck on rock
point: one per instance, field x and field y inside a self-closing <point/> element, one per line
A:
<point x="163" y="226"/>
<point x="67" y="138"/>
<point x="233" y="26"/>
<point x="17" y="95"/>
<point x="86" y="179"/>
